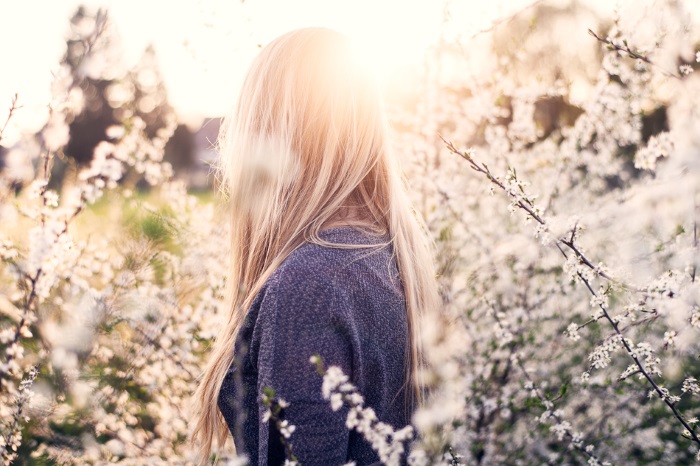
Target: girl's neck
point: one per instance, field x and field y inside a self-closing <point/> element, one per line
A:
<point x="353" y="217"/>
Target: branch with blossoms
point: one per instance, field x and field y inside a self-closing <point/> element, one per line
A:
<point x="624" y="47"/>
<point x="156" y="344"/>
<point x="455" y="458"/>
<point x="10" y="441"/>
<point x="562" y="428"/>
<point x="337" y="389"/>
<point x="514" y="188"/>
<point x="639" y="306"/>
<point x="275" y="406"/>
<point x="635" y="353"/>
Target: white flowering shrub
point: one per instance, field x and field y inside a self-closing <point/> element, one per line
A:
<point x="108" y="299"/>
<point x="567" y="243"/>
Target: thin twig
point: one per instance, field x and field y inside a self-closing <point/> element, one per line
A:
<point x="695" y="243"/>
<point x="506" y="19"/>
<point x="528" y="207"/>
<point x="631" y="53"/>
<point x="174" y="357"/>
<point x="13" y="108"/>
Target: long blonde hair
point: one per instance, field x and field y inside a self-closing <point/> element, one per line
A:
<point x="306" y="144"/>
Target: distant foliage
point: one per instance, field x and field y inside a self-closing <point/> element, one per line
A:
<point x="565" y="223"/>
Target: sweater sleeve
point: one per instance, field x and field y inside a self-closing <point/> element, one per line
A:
<point x="300" y="316"/>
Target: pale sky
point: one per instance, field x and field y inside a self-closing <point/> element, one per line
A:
<point x="205" y="46"/>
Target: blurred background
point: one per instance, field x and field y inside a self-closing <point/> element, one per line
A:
<point x="186" y="60"/>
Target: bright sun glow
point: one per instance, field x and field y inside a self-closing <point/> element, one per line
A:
<point x="376" y="59"/>
<point x="204" y="48"/>
<point x="387" y="44"/>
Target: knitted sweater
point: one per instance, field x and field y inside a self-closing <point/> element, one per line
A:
<point x="346" y="305"/>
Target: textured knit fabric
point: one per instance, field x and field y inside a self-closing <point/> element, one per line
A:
<point x="346" y="305"/>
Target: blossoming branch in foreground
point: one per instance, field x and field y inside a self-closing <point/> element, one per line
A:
<point x="13" y="438"/>
<point x="274" y="413"/>
<point x="336" y="388"/>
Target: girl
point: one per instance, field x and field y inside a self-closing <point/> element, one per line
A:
<point x="328" y="258"/>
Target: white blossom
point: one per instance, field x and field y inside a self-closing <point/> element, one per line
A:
<point x="685" y="70"/>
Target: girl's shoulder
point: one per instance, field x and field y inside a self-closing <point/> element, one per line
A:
<point x="358" y="263"/>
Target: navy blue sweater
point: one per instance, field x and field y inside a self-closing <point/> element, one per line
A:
<point x="346" y="305"/>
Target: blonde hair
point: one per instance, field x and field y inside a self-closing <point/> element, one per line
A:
<point x="307" y="146"/>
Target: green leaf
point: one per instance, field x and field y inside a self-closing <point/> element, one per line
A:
<point x="563" y="389"/>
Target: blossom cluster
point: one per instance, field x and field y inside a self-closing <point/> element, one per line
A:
<point x="339" y="391"/>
